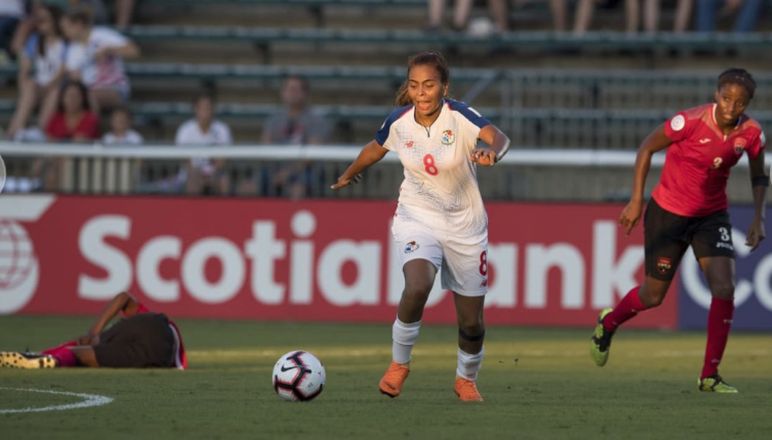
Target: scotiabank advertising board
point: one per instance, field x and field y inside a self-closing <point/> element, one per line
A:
<point x="549" y="264"/>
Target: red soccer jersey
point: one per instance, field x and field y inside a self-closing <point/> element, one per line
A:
<point x="88" y="127"/>
<point x="697" y="165"/>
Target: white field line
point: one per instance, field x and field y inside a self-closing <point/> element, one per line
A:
<point x="89" y="400"/>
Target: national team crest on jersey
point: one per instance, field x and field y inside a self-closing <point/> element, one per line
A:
<point x="739" y="146"/>
<point x="410" y="247"/>
<point x="448" y="137"/>
<point x="664" y="264"/>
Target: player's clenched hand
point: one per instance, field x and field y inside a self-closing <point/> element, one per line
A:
<point x="345" y="181"/>
<point x="630" y="216"/>
<point x="756" y="233"/>
<point x="483" y="156"/>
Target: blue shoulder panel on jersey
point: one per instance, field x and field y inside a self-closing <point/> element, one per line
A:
<point x="468" y="112"/>
<point x="383" y="132"/>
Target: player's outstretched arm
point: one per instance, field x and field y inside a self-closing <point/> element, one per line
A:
<point x="122" y="302"/>
<point x="498" y="145"/>
<point x="370" y="154"/>
<point x="759" y="184"/>
<point x="655" y="141"/>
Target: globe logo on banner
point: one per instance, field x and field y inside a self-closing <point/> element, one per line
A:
<point x="17" y="256"/>
<point x="19" y="269"/>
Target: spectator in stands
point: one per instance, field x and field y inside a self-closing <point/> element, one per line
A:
<point x="585" y="10"/>
<point x="41" y="67"/>
<point x="498" y="10"/>
<point x="297" y="123"/>
<point x="96" y="57"/>
<point x="461" y="13"/>
<point x="651" y="15"/>
<point x="73" y="121"/>
<point x="203" y="175"/>
<point x="121" y="132"/>
<point x="139" y="339"/>
<point x="11" y="14"/>
<point x="582" y="17"/>
<point x="747" y="13"/>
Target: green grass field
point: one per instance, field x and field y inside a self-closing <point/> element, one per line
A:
<point x="538" y="384"/>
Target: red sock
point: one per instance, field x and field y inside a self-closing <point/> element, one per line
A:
<point x="65" y="357"/>
<point x="627" y="308"/>
<point x="52" y="350"/>
<point x="719" y="323"/>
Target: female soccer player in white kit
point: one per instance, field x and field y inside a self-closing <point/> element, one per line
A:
<point x="440" y="220"/>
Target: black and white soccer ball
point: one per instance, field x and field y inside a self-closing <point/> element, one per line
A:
<point x="298" y="376"/>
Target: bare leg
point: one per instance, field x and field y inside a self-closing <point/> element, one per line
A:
<point x="558" y="9"/>
<point x="419" y="278"/>
<point x="28" y="94"/>
<point x="653" y="291"/>
<point x="651" y="15"/>
<point x="469" y="313"/>
<point x="436" y="13"/>
<point x="124" y="9"/>
<point x="48" y="105"/>
<point x="85" y="355"/>
<point x="461" y="13"/>
<point x="632" y="15"/>
<point x="105" y="99"/>
<point x="194" y="184"/>
<point x="682" y="16"/>
<point x="500" y="12"/>
<point x="584" y="12"/>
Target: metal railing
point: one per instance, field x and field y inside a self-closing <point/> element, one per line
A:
<point x="524" y="174"/>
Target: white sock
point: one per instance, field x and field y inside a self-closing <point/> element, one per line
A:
<point x="469" y="364"/>
<point x="403" y="336"/>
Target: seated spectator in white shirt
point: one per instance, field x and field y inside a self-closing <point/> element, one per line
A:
<point x="95" y="56"/>
<point x="121" y="132"/>
<point x="203" y="175"/>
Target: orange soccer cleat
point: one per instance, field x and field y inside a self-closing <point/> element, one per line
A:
<point x="466" y="390"/>
<point x="393" y="378"/>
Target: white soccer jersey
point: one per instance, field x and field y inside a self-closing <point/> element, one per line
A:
<point x="440" y="187"/>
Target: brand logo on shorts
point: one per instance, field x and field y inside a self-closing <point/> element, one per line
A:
<point x="725" y="245"/>
<point x="664" y="265"/>
<point x="448" y="137"/>
<point x="411" y="246"/>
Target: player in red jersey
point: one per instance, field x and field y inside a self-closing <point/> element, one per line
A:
<point x="689" y="207"/>
<point x="140" y="339"/>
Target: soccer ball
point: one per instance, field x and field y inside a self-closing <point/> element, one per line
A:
<point x="298" y="375"/>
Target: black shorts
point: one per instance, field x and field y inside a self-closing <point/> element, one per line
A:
<point x="667" y="236"/>
<point x="143" y="340"/>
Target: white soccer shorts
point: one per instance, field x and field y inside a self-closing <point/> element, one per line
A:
<point x="461" y="260"/>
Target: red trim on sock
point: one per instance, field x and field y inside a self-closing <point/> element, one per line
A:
<point x="627" y="308"/>
<point x="53" y="350"/>
<point x="719" y="324"/>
